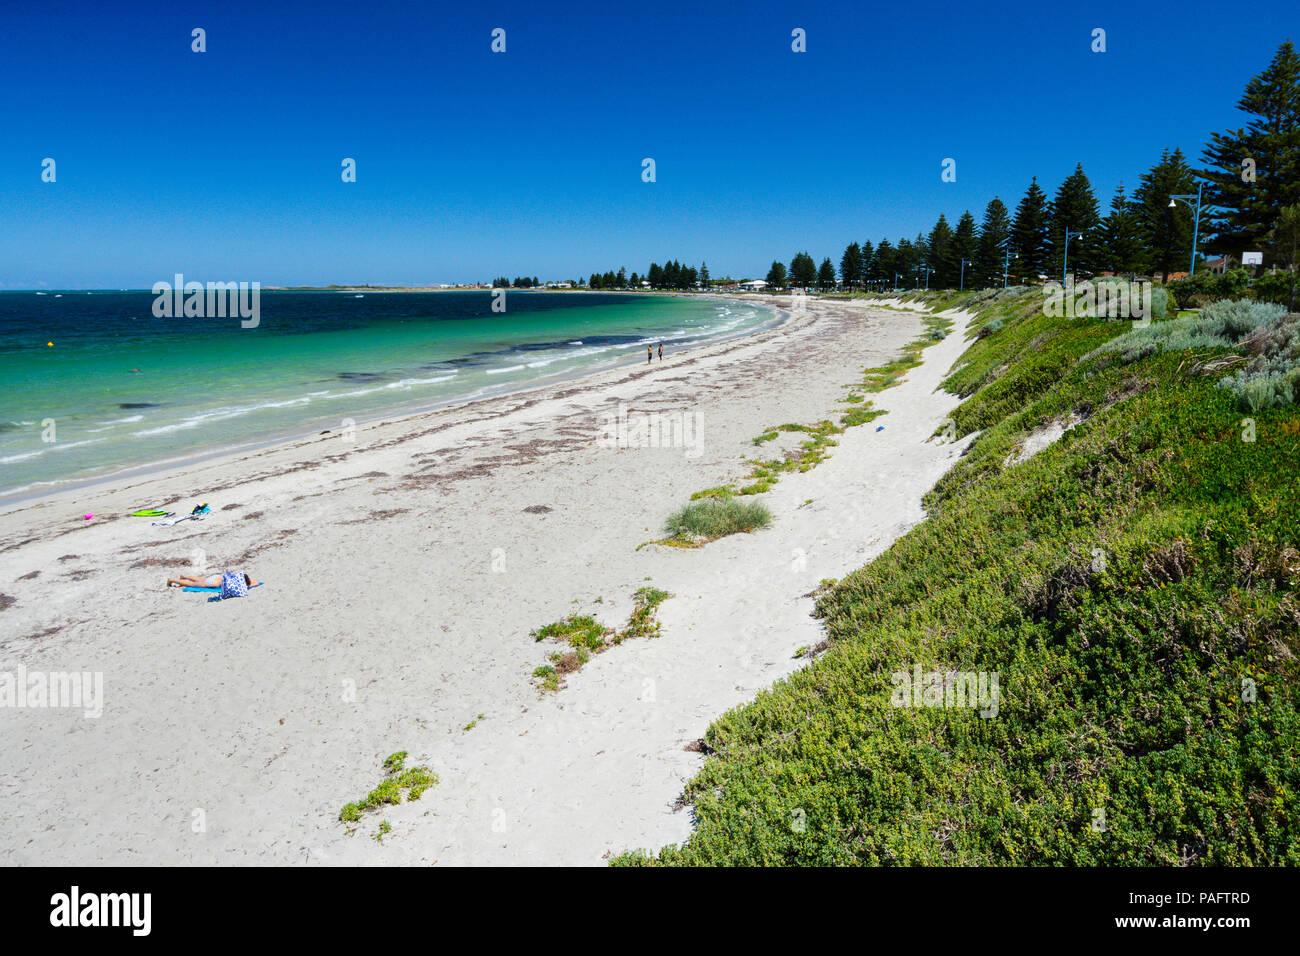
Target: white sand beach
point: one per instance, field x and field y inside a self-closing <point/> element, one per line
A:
<point x="405" y="566"/>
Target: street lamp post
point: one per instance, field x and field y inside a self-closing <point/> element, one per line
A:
<point x="964" y="264"/>
<point x="1196" y="221"/>
<point x="1065" y="261"/>
<point x="1005" y="245"/>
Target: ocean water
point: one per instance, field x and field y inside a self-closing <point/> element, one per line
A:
<point x="121" y="389"/>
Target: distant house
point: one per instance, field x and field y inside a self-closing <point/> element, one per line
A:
<point x="754" y="285"/>
<point x="645" y="285"/>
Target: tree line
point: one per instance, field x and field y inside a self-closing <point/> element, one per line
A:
<point x="671" y="275"/>
<point x="1251" y="193"/>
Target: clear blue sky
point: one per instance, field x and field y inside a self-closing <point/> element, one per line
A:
<point x="225" y="165"/>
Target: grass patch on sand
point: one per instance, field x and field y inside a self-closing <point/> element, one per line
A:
<point x="1135" y="587"/>
<point x="722" y="491"/>
<point x="398" y="778"/>
<point x="576" y="630"/>
<point x="764" y="473"/>
<point x="586" y="636"/>
<point x="711" y="518"/>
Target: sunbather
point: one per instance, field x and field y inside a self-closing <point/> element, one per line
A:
<point x="200" y="581"/>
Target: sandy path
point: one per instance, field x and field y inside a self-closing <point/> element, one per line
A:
<point x="404" y="576"/>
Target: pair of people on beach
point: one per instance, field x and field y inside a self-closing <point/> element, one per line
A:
<point x="650" y="355"/>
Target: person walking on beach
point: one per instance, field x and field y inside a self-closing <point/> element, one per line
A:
<point x="661" y="351"/>
<point x="649" y="354"/>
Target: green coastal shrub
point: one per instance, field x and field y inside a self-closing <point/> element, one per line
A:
<point x="1135" y="587"/>
<point x="1271" y="378"/>
<point x="1274" y="287"/>
<point x="1219" y="325"/>
<point x="1206" y="287"/>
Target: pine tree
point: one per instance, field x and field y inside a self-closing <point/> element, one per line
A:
<point x="803" y="271"/>
<point x="990" y="252"/>
<point x="906" y="262"/>
<point x="704" y="275"/>
<point x="851" y="265"/>
<point x="1246" y="211"/>
<point x="1166" y="230"/>
<point x="867" y="270"/>
<point x="1074" y="208"/>
<point x="776" y="276"/>
<point x="964" y="243"/>
<point x="826" y="275"/>
<point x="1029" y="232"/>
<point x="940" y="243"/>
<point x="1121" y="249"/>
<point x="885" y="263"/>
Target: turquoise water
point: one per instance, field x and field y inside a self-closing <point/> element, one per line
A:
<point x="121" y="389"/>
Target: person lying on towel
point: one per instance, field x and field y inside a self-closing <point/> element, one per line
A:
<point x="230" y="583"/>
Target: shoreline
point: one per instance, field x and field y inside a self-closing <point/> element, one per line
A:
<point x="403" y="579"/>
<point x="16" y="500"/>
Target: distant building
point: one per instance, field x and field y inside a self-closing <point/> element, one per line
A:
<point x="754" y="285"/>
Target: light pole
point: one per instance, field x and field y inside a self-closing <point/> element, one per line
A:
<point x="964" y="264"/>
<point x="928" y="270"/>
<point x="1065" y="261"/>
<point x="1196" y="222"/>
<point x="1005" y="245"/>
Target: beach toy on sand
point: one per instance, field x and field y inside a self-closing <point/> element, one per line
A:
<point x="880" y="428"/>
<point x="88" y="517"/>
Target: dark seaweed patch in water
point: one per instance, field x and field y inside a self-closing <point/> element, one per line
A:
<point x="587" y="342"/>
<point x="361" y="376"/>
<point x="138" y="405"/>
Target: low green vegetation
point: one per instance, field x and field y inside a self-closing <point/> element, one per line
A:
<point x="586" y="636"/>
<point x="577" y="630"/>
<point x="714" y="514"/>
<point x="398" y="779"/>
<point x="1207" y="287"/>
<point x="1132" y="587"/>
<point x="708" y="519"/>
<point x="722" y="491"/>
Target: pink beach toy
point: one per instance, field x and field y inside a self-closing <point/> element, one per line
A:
<point x="88" y="517"/>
